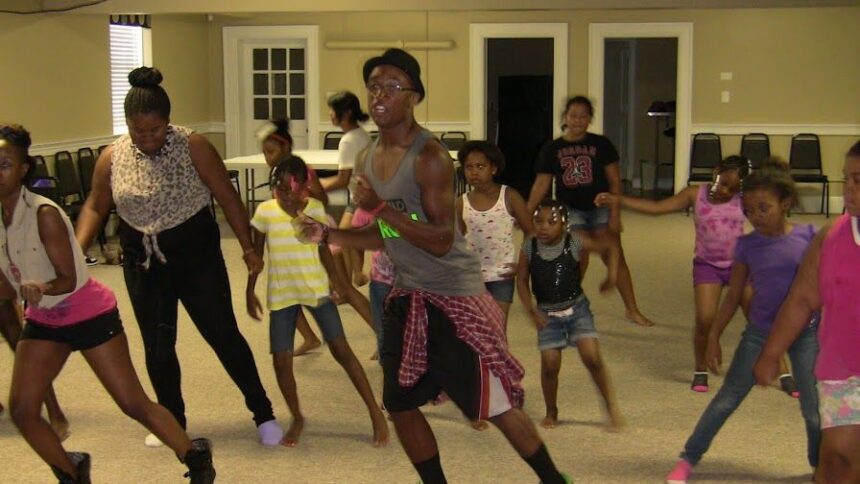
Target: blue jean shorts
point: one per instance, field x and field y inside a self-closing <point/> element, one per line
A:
<point x="502" y="290"/>
<point x="568" y="327"/>
<point x="282" y="325"/>
<point x="588" y="220"/>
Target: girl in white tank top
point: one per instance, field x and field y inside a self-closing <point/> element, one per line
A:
<point x="488" y="214"/>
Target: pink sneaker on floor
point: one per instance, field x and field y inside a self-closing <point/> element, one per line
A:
<point x="700" y="382"/>
<point x="680" y="473"/>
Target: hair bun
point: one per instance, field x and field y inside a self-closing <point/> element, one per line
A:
<point x="145" y="77"/>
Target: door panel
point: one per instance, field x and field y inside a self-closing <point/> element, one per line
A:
<point x="273" y="84"/>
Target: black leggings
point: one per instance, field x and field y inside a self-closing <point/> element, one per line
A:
<point x="196" y="275"/>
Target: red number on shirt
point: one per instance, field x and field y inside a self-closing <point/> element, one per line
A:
<point x="577" y="171"/>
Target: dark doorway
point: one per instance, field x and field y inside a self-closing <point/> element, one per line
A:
<point x="640" y="88"/>
<point x="519" y="104"/>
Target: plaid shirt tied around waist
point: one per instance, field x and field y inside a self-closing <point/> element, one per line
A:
<point x="478" y="322"/>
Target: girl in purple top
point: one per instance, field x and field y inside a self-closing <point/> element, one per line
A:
<point x="767" y="259"/>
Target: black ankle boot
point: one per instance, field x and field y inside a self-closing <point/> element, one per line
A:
<point x="199" y="462"/>
<point x="82" y="462"/>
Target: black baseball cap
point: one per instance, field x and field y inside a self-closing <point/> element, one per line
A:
<point x="402" y="60"/>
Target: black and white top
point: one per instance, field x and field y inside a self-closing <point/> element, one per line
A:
<point x="156" y="193"/>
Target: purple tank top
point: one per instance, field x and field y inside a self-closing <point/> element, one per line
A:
<point x="718" y="226"/>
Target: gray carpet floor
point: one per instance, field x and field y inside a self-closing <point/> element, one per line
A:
<point x="763" y="442"/>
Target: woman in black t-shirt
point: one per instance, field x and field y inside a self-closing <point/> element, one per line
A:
<point x="583" y="165"/>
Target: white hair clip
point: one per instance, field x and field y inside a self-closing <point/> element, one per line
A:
<point x="266" y="130"/>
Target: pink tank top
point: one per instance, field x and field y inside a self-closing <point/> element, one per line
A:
<point x="718" y="226"/>
<point x="91" y="300"/>
<point x="839" y="285"/>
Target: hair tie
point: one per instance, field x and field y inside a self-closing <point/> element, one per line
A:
<point x="278" y="138"/>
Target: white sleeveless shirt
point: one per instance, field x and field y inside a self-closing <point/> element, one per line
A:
<point x="24" y="258"/>
<point x="491" y="235"/>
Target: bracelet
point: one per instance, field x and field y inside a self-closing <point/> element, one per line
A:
<point x="378" y="208"/>
<point x="247" y="252"/>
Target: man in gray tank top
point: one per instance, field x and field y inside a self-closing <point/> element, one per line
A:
<point x="441" y="330"/>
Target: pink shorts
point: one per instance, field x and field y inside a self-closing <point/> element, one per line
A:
<point x="705" y="273"/>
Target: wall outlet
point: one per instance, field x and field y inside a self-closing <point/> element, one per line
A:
<point x="725" y="97"/>
<point x="726" y="76"/>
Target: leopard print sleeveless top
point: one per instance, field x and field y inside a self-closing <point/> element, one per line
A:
<point x="156" y="193"/>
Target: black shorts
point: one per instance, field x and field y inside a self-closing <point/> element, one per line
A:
<point x="81" y="336"/>
<point x="452" y="367"/>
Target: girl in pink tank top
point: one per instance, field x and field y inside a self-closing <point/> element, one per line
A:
<point x="719" y="222"/>
<point x="829" y="281"/>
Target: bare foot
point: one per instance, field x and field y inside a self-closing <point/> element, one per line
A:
<point x="1" y="409"/>
<point x="291" y="438"/>
<point x="615" y="422"/>
<point x="61" y="428"/>
<point x="550" y="421"/>
<point x="374" y="356"/>
<point x="307" y="347"/>
<point x="638" y="318"/>
<point x="360" y="279"/>
<point x="480" y="425"/>
<point x="380" y="429"/>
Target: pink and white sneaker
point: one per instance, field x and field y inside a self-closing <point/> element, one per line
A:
<point x="700" y="382"/>
<point x="680" y="473"/>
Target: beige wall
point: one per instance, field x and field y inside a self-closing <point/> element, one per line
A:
<point x="180" y="49"/>
<point x="59" y="85"/>
<point x="790" y="66"/>
<point x="54" y="75"/>
<point x="786" y="63"/>
<point x="780" y="58"/>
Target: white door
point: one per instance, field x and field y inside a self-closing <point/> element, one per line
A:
<point x="273" y="83"/>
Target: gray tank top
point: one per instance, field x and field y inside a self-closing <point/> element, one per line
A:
<point x="457" y="273"/>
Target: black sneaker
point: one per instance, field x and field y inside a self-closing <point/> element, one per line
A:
<point x="82" y="462"/>
<point x="700" y="382"/>
<point x="91" y="261"/>
<point x="199" y="462"/>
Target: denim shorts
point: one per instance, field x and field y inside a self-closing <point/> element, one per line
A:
<point x="282" y="325"/>
<point x="565" y="330"/>
<point x="588" y="220"/>
<point x="502" y="290"/>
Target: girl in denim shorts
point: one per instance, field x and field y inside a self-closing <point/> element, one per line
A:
<point x="562" y="316"/>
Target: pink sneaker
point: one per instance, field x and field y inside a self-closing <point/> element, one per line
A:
<point x="700" y="382"/>
<point x="680" y="473"/>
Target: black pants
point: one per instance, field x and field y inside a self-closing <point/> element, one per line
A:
<point x="196" y="275"/>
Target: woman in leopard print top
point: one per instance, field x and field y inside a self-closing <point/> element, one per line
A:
<point x="161" y="177"/>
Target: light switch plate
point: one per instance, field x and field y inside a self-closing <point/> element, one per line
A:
<point x="725" y="96"/>
<point x="726" y="76"/>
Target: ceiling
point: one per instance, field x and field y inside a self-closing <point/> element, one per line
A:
<point x="260" y="6"/>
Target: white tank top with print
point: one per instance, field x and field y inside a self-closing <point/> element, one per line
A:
<point x="490" y="235"/>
